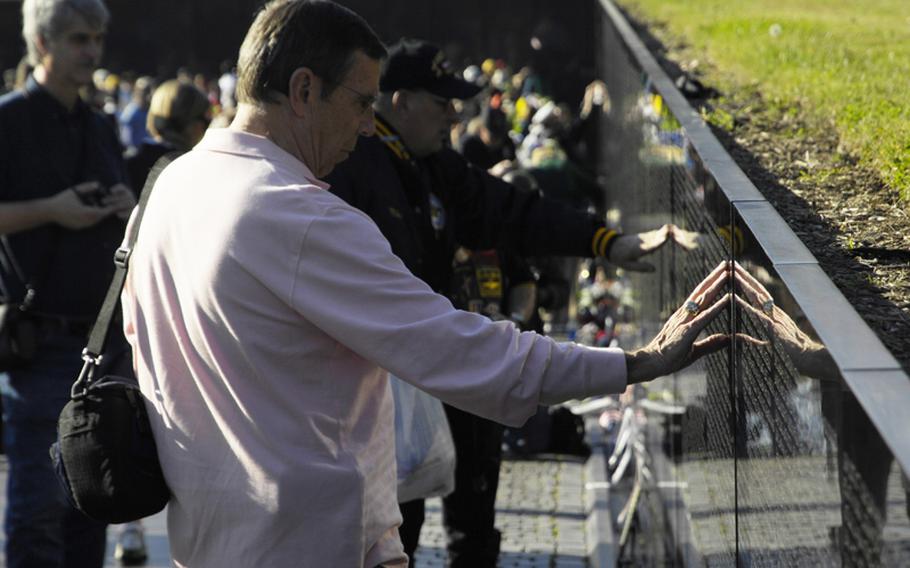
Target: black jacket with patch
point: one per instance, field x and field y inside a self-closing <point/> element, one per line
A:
<point x="427" y="207"/>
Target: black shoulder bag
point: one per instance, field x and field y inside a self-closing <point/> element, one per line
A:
<point x="19" y="328"/>
<point x="105" y="456"/>
<point x="18" y="331"/>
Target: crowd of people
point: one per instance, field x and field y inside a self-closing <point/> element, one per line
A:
<point x="333" y="202"/>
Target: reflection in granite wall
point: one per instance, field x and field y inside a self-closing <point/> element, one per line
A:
<point x="705" y="462"/>
<point x="650" y="171"/>
<point x="788" y="496"/>
<point x="771" y="460"/>
<point x="816" y="484"/>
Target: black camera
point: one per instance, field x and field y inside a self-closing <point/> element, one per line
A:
<point x="95" y="197"/>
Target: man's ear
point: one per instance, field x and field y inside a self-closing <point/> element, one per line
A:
<point x="301" y="89"/>
<point x="400" y="100"/>
<point x="41" y="44"/>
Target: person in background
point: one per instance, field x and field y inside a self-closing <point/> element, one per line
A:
<point x="178" y="116"/>
<point x="227" y="86"/>
<point x="427" y="200"/>
<point x="502" y="287"/>
<point x="486" y="142"/>
<point x="202" y="83"/>
<point x="9" y="81"/>
<point x="133" y="116"/>
<point x="63" y="205"/>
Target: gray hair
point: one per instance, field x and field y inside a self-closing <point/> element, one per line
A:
<point x="289" y="34"/>
<point x="49" y="19"/>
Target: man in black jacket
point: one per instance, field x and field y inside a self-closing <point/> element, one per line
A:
<point x="427" y="200"/>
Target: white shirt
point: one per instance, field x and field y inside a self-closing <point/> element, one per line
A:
<point x="262" y="311"/>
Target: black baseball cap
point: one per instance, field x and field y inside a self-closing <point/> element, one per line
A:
<point x="416" y="64"/>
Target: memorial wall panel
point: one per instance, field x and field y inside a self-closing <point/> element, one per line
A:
<point x="653" y="177"/>
<point x="769" y="453"/>
<point x="816" y="483"/>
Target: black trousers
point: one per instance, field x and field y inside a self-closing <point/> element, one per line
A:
<point x="412" y="513"/>
<point x="469" y="513"/>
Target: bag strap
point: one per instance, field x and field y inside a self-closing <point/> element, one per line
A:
<point x="28" y="284"/>
<point x="9" y="262"/>
<point x="92" y="354"/>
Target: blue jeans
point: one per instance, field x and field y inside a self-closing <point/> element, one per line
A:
<point x="42" y="528"/>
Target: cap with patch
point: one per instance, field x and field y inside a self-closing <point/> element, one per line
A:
<point x="414" y="64"/>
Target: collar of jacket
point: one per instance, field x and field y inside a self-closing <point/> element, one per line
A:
<point x="48" y="104"/>
<point x="392" y="140"/>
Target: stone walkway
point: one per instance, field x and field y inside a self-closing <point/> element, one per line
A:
<point x="540" y="511"/>
<point x="541" y="514"/>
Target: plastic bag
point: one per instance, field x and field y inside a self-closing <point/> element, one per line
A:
<point x="424" y="450"/>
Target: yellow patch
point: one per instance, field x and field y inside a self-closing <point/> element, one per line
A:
<point x="489" y="281"/>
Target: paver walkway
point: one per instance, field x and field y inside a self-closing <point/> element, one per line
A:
<point x="540" y="511"/>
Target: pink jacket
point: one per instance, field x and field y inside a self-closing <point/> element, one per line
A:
<point x="262" y="311"/>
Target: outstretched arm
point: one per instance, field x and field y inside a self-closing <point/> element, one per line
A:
<point x="677" y="344"/>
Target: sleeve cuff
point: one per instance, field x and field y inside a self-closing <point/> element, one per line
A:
<point x="603" y="241"/>
<point x="579" y="372"/>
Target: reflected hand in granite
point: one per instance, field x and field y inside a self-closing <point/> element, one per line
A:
<point x="596" y="97"/>
<point x="675" y="346"/>
<point x="688" y="240"/>
<point x="810" y="357"/>
<point x="628" y="249"/>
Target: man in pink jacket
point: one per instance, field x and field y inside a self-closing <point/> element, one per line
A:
<point x="263" y="313"/>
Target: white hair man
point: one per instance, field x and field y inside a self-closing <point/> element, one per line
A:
<point x="63" y="205"/>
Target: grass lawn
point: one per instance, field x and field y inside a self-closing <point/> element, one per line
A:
<point x="843" y="64"/>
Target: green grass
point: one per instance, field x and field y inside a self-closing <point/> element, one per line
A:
<point x="845" y="64"/>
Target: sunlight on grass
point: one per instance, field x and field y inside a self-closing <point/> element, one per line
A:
<point x="845" y="63"/>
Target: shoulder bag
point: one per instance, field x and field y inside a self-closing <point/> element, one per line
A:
<point x="105" y="456"/>
<point x="18" y="328"/>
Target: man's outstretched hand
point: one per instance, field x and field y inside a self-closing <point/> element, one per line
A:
<point x="676" y="345"/>
<point x="628" y="249"/>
